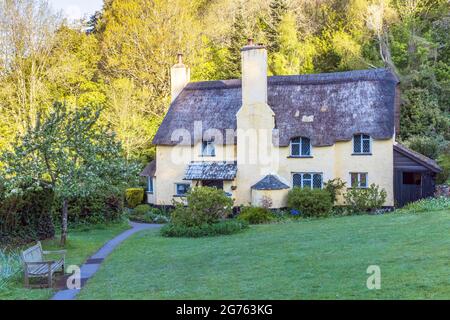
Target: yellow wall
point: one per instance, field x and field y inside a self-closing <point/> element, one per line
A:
<point x="334" y="161"/>
<point x="171" y="163"/>
<point x="277" y="197"/>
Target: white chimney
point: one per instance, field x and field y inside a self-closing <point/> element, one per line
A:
<point x="180" y="75"/>
<point x="254" y="74"/>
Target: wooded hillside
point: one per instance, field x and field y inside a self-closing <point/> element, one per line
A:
<point x="120" y="58"/>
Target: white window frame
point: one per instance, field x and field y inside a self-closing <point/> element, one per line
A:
<point x="362" y="144"/>
<point x="209" y="150"/>
<point x="300" y="146"/>
<point x="359" y="180"/>
<point x="150" y="185"/>
<point x="301" y="179"/>
<point x="176" y="188"/>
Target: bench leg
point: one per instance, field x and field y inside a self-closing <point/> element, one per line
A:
<point x="50" y="280"/>
<point x="27" y="281"/>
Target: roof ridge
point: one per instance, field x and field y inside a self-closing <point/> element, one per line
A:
<point x="376" y="74"/>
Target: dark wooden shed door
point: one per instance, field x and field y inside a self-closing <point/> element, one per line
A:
<point x="408" y="187"/>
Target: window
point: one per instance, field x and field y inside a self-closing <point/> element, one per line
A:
<point x="414" y="178"/>
<point x="150" y="184"/>
<point x="182" y="188"/>
<point x="208" y="149"/>
<point x="308" y="180"/>
<point x="361" y="144"/>
<point x="358" y="180"/>
<point x="300" y="147"/>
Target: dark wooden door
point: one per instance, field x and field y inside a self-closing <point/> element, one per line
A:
<point x="213" y="183"/>
<point x="408" y="187"/>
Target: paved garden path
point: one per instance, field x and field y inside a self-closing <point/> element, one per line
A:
<point x="90" y="267"/>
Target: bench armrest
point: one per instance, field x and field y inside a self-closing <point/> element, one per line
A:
<point x="61" y="252"/>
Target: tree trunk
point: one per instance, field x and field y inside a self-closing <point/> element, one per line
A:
<point x="65" y="213"/>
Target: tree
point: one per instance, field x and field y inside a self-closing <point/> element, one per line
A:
<point x="71" y="152"/>
<point x="27" y="35"/>
<point x="294" y="56"/>
<point x="238" y="39"/>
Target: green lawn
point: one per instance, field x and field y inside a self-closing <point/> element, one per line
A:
<point x="80" y="246"/>
<point x="315" y="259"/>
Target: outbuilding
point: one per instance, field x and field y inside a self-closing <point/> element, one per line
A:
<point x="414" y="175"/>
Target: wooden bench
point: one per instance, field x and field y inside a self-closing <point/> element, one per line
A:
<point x="35" y="266"/>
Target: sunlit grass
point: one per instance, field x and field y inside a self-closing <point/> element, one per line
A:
<point x="309" y="259"/>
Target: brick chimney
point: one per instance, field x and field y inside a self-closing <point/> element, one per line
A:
<point x="254" y="73"/>
<point x="180" y="75"/>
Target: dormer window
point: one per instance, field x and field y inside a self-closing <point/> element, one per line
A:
<point x="208" y="149"/>
<point x="300" y="147"/>
<point x="362" y="144"/>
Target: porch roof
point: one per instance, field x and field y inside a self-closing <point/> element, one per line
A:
<point x="149" y="170"/>
<point x="270" y="182"/>
<point x="216" y="170"/>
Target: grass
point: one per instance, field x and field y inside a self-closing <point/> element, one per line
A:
<point x="81" y="244"/>
<point x="309" y="259"/>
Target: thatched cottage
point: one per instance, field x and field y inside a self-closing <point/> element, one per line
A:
<point x="258" y="137"/>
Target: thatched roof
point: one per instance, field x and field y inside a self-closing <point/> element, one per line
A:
<point x="418" y="157"/>
<point x="270" y="182"/>
<point x="340" y="105"/>
<point x="211" y="171"/>
<point x="149" y="170"/>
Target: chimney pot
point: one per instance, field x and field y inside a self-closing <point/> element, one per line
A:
<point x="250" y="41"/>
<point x="180" y="58"/>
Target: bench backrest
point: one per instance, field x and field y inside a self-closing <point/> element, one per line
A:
<point x="33" y="254"/>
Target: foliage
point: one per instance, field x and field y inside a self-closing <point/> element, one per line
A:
<point x="71" y="151"/>
<point x="205" y="206"/>
<point x="426" y="205"/>
<point x="266" y="202"/>
<point x="361" y="200"/>
<point x="134" y="197"/>
<point x="425" y="145"/>
<point x="146" y="214"/>
<point x="255" y="215"/>
<point x="334" y="188"/>
<point x="142" y="209"/>
<point x="444" y="163"/>
<point x="97" y="208"/>
<point x="10" y="266"/>
<point x="225" y="227"/>
<point x="26" y="216"/>
<point x="310" y="202"/>
<point x="122" y="64"/>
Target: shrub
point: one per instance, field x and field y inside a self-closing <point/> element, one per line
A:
<point x="26" y="216"/>
<point x="134" y="197"/>
<point x="364" y="200"/>
<point x="334" y="188"/>
<point x="205" y="206"/>
<point x="97" y="208"/>
<point x="205" y="230"/>
<point x="142" y="209"/>
<point x="310" y="202"/>
<point x="144" y="213"/>
<point x="255" y="215"/>
<point x="425" y="205"/>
